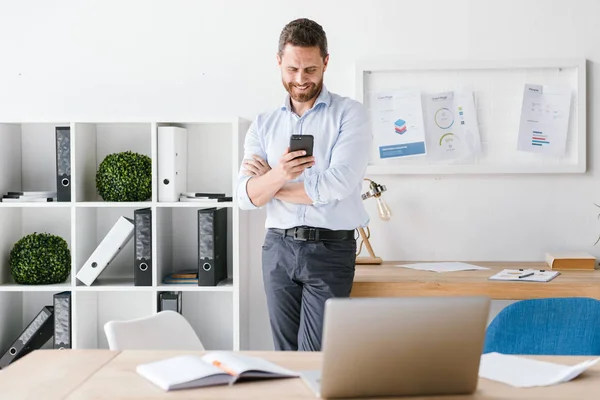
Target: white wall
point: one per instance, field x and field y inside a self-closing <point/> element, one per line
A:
<point x="67" y="60"/>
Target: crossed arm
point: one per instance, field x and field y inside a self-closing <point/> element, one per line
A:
<point x="292" y="192"/>
<point x="258" y="183"/>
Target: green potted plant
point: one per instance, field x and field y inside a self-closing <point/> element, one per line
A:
<point x="125" y="176"/>
<point x="40" y="259"/>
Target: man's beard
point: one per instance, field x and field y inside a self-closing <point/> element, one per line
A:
<point x="307" y="95"/>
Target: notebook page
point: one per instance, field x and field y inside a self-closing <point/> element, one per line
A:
<point x="172" y="372"/>
<point x="238" y="364"/>
<point x="524" y="372"/>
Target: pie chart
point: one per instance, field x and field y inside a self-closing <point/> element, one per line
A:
<point x="449" y="142"/>
<point x="444" y="118"/>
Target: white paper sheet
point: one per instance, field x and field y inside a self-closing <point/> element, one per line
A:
<point x="397" y="118"/>
<point x="524" y="372"/>
<point x="442" y="266"/>
<point x="452" y="127"/>
<point x="544" y="120"/>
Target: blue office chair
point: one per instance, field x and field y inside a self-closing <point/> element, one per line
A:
<point x="554" y="326"/>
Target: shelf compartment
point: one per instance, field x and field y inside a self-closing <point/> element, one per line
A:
<point x="28" y="157"/>
<point x="177" y="245"/>
<point x="17" y="310"/>
<point x="92" y="225"/>
<point x="94" y="309"/>
<point x="209" y="158"/>
<point x="20" y="222"/>
<point x="211" y="316"/>
<point x="94" y="141"/>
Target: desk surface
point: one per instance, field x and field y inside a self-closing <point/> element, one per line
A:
<point x="105" y="374"/>
<point x="386" y="280"/>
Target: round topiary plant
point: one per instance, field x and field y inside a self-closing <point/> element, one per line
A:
<point x="125" y="176"/>
<point x="40" y="259"/>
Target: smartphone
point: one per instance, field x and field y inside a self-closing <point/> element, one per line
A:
<point x="302" y="142"/>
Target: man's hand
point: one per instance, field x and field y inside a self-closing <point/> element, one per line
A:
<point x="291" y="165"/>
<point x="263" y="186"/>
<point x="256" y="167"/>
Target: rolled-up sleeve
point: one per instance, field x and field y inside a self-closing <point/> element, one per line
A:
<point x="252" y="146"/>
<point x="349" y="159"/>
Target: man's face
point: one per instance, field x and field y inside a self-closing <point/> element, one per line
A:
<point x="302" y="71"/>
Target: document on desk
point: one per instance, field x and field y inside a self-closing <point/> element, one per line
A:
<point x="525" y="372"/>
<point x="524" y="275"/>
<point x="442" y="266"/>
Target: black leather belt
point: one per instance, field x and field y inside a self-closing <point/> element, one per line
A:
<point x="308" y="234"/>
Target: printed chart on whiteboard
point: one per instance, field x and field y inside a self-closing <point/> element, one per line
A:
<point x="544" y="120"/>
<point x="452" y="128"/>
<point x="398" y="128"/>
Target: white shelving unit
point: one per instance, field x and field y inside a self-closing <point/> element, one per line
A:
<point x="27" y="162"/>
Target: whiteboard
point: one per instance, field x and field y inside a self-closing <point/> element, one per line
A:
<point x="498" y="87"/>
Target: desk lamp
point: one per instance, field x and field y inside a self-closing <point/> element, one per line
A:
<point x="375" y="190"/>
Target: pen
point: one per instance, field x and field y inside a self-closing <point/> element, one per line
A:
<point x="219" y="364"/>
<point x="526" y="275"/>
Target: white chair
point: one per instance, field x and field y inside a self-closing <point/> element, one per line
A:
<point x="166" y="330"/>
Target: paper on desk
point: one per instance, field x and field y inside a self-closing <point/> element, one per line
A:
<point x="442" y="266"/>
<point x="524" y="372"/>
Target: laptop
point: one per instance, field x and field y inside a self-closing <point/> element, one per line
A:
<point x="400" y="346"/>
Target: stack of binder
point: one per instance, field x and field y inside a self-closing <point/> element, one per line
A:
<point x="29" y="196"/>
<point x="205" y="197"/>
<point x="53" y="321"/>
<point x="139" y="228"/>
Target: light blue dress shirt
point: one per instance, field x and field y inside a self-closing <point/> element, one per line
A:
<point x="343" y="137"/>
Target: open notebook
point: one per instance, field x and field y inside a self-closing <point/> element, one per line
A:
<point x="212" y="369"/>
<point x="525" y="275"/>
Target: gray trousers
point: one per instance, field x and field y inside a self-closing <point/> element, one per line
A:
<point x="299" y="277"/>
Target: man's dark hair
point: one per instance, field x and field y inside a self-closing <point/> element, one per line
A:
<point x="304" y="33"/>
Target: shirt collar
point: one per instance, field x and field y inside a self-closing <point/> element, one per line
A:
<point x="323" y="98"/>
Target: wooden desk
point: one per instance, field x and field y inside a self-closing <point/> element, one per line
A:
<point x="105" y="374"/>
<point x="389" y="281"/>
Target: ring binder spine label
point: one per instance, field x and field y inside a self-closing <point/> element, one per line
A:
<point x="63" y="163"/>
<point x="39" y="331"/>
<point x="142" y="263"/>
<point x="62" y="320"/>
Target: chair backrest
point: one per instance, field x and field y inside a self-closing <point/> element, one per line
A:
<point x="552" y="326"/>
<point x="166" y="330"/>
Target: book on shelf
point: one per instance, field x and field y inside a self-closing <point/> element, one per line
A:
<point x="212" y="369"/>
<point x="42" y="193"/>
<point x="185" y="274"/>
<point x="33" y="200"/>
<point x="182" y="277"/>
<point x="205" y="199"/>
<point x="202" y="195"/>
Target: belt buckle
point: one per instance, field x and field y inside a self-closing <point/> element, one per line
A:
<point x="312" y="234"/>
